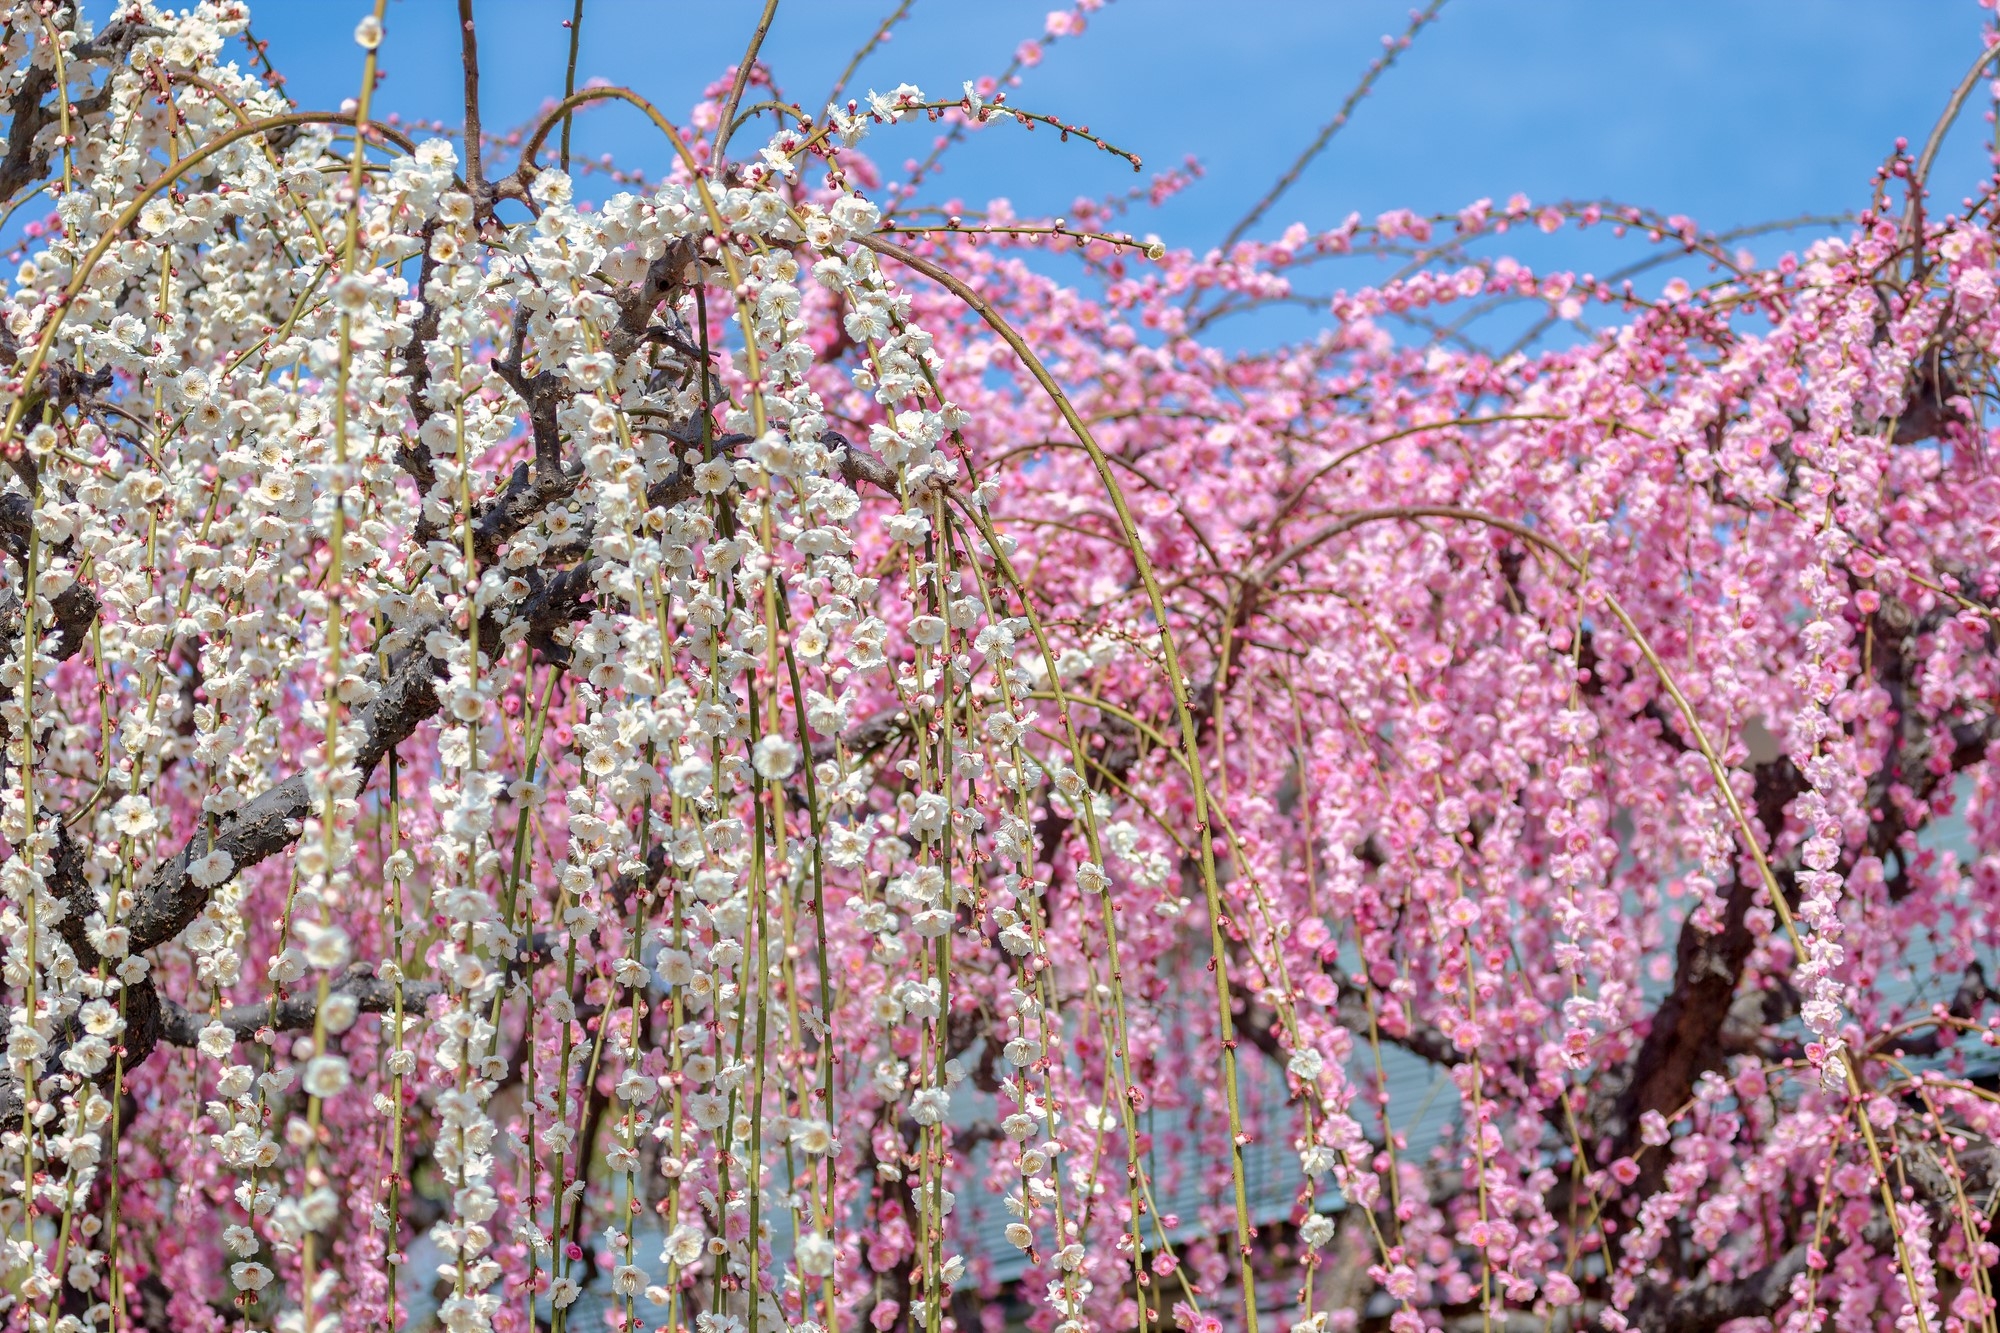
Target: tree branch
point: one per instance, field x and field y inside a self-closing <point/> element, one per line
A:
<point x="297" y="1013"/>
<point x="26" y="162"/>
<point x="170" y="899"/>
<point x="1707" y="1306"/>
<point x="469" y="47"/>
<point x="1684" y="1037"/>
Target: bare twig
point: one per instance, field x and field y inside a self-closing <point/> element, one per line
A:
<point x="867" y="49"/>
<point x="1332" y="127"/>
<point x="469" y="44"/>
<point x="743" y="69"/>
<point x="569" y="77"/>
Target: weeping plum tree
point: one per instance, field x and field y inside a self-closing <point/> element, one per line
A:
<point x="658" y="743"/>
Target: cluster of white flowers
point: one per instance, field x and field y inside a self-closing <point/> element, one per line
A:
<point x="304" y="326"/>
<point x="97" y="296"/>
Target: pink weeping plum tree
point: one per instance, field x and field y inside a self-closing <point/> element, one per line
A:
<point x="639" y="751"/>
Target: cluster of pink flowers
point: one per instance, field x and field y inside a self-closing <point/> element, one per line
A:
<point x="653" y="749"/>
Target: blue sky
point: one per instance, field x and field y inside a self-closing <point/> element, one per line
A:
<point x="1731" y="111"/>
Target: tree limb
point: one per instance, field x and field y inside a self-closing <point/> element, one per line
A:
<point x="296" y="1013"/>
